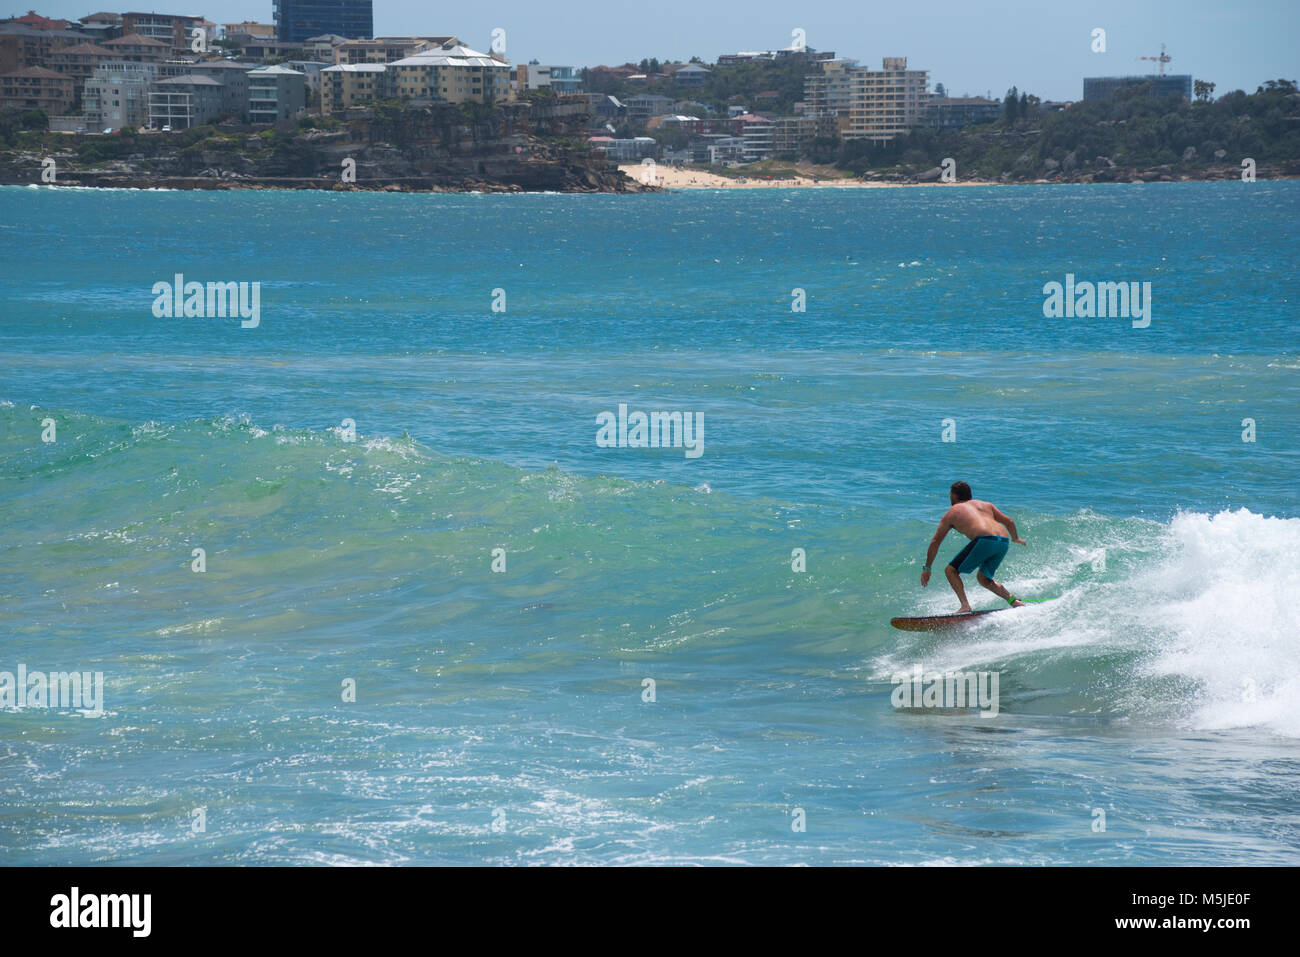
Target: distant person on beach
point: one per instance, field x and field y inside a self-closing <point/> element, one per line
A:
<point x="990" y="533"/>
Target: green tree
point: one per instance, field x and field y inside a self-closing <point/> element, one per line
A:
<point x="1011" y="107"/>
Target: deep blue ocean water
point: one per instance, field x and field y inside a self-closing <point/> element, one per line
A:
<point x="500" y="715"/>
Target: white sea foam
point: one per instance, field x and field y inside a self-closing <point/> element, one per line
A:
<point x="1222" y="605"/>
<point x="1196" y="623"/>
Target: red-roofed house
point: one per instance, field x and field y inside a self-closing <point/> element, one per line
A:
<point x="23" y="45"/>
<point x="172" y="29"/>
<point x="138" y="49"/>
<point x="80" y="61"/>
<point x="36" y="88"/>
<point x="34" y="19"/>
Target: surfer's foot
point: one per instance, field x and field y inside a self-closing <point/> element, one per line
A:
<point x="964" y="609"/>
<point x="1017" y="603"/>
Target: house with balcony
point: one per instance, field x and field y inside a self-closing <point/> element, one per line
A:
<point x="692" y="74"/>
<point x="538" y="76"/>
<point x="185" y="101"/>
<point x="248" y="28"/>
<point x="22" y="46"/>
<point x="311" y="69"/>
<point x="886" y="103"/>
<point x="101" y="26"/>
<point x="955" y="112"/>
<point x="645" y="105"/>
<point x="387" y="49"/>
<point x="323" y="47"/>
<point x="175" y="31"/>
<point x="275" y="94"/>
<point x="136" y="48"/>
<point x="232" y="76"/>
<point x="451" y="74"/>
<point x="37" y="88"/>
<point x="346" y="85"/>
<point x="116" y="94"/>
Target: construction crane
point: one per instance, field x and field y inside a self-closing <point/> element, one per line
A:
<point x="1162" y="59"/>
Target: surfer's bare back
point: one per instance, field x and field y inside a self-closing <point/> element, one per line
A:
<point x="990" y="533"/>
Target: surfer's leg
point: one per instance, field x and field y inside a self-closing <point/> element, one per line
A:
<point x="954" y="579"/>
<point x="997" y="589"/>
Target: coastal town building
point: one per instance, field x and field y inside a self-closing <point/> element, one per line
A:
<point x="631" y="150"/>
<point x="786" y="53"/>
<point x="756" y="136"/>
<point x="955" y="112"/>
<point x="603" y="75"/>
<point x="691" y="74"/>
<point x="176" y="31"/>
<point x="311" y="70"/>
<point x="387" y="49"/>
<point x="875" y="105"/>
<point x="182" y="102"/>
<point x="248" y="28"/>
<point x="80" y="61"/>
<point x="101" y="26"/>
<point x="23" y="46"/>
<point x="296" y="20"/>
<point x="886" y="103"/>
<point x="33" y="19"/>
<point x="36" y="88"/>
<point x="721" y="151"/>
<point x="698" y="125"/>
<point x="451" y="74"/>
<point x="232" y="76"/>
<point x="447" y="72"/>
<point x="346" y="85"/>
<point x="645" y="105"/>
<point x="669" y="121"/>
<point x="137" y="48"/>
<point x="181" y="93"/>
<point x="117" y="95"/>
<point x="275" y="94"/>
<point x="828" y="88"/>
<point x="536" y="76"/>
<point x="1104" y="87"/>
<point x="323" y="47"/>
<point x="604" y="109"/>
<point x="793" y="135"/>
<point x="263" y="48"/>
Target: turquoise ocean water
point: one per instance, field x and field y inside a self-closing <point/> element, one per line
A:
<point x="500" y="715"/>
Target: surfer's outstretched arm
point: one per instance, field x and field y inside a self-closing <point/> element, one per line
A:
<point x="1011" y="526"/>
<point x="935" y="542"/>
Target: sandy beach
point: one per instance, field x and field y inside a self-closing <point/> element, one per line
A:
<point x="675" y="177"/>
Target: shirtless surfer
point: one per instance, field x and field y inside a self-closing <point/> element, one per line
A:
<point x="990" y="533"/>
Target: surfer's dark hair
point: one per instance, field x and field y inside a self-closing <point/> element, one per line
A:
<point x="961" y="490"/>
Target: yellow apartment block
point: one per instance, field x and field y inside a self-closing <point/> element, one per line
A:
<point x="451" y="74"/>
<point x="886" y="103"/>
<point x="352" y="84"/>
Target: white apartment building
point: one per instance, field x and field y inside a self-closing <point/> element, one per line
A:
<point x="886" y="103"/>
<point x="117" y="95"/>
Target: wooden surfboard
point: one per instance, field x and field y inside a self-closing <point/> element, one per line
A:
<point x="940" y="622"/>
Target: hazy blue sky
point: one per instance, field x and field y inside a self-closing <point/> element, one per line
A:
<point x="971" y="47"/>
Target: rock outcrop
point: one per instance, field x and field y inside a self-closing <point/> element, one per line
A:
<point x="426" y="150"/>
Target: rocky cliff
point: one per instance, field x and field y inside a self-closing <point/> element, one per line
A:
<point x="515" y="148"/>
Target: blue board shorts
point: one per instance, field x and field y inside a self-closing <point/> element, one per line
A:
<point x="985" y="553"/>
